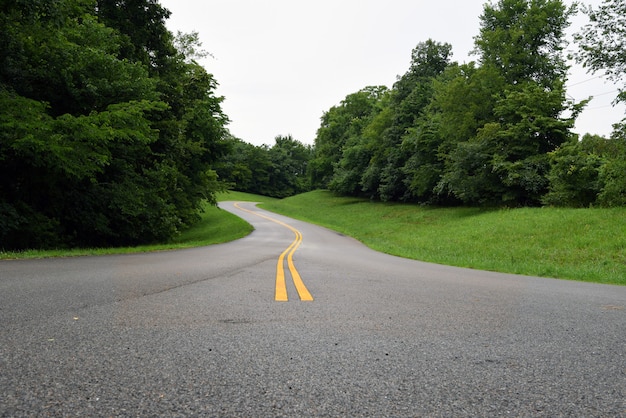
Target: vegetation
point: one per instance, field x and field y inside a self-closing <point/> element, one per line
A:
<point x="107" y="131"/>
<point x="111" y="133"/>
<point x="276" y="171"/>
<point x="216" y="226"/>
<point x="578" y="244"/>
<point x="496" y="132"/>
<point x="601" y="41"/>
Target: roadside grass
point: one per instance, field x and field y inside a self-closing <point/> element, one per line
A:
<point x="243" y="197"/>
<point x="576" y="244"/>
<point x="216" y="226"/>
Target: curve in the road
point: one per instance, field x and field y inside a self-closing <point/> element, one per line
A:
<point x="281" y="286"/>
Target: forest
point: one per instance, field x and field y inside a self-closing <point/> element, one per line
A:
<point x="112" y="134"/>
<point x="497" y="131"/>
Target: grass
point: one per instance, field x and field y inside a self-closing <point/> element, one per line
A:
<point x="577" y="244"/>
<point x="216" y="226"/>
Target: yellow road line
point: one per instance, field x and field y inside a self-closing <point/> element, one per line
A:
<point x="281" y="287"/>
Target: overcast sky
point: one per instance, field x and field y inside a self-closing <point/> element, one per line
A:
<point x="281" y="64"/>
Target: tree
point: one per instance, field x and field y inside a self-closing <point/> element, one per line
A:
<point x="277" y="171"/>
<point x="145" y="38"/>
<point x="589" y="172"/>
<point x="463" y="101"/>
<point x="234" y="169"/>
<point x="602" y="49"/>
<point x="289" y="159"/>
<point x="353" y="172"/>
<point x="338" y="125"/>
<point x="507" y="161"/>
<point x="411" y="94"/>
<point x="524" y="40"/>
<point x="612" y="178"/>
<point x="574" y="171"/>
<point x="95" y="148"/>
<point x="601" y="41"/>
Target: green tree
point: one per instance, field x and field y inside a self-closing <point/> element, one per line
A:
<point x="141" y="23"/>
<point x="602" y="41"/>
<point x="602" y="49"/>
<point x="507" y="161"/>
<point x="575" y="171"/>
<point x="463" y="101"/>
<point x="524" y="40"/>
<point x="192" y="129"/>
<point x="338" y="125"/>
<point x="588" y="172"/>
<point x="95" y="149"/>
<point x="289" y="159"/>
<point x="58" y="53"/>
<point x="235" y="169"/>
<point x="410" y="96"/>
<point x="612" y="174"/>
<point x="259" y="162"/>
<point x="277" y="171"/>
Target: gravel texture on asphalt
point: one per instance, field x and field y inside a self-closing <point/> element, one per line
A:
<point x="197" y="333"/>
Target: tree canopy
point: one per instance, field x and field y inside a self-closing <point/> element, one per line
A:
<point x="276" y="171"/>
<point x="107" y="132"/>
<point x="492" y="132"/>
<point x="602" y="45"/>
<point x="111" y="132"/>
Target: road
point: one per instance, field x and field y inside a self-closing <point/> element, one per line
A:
<point x="206" y="332"/>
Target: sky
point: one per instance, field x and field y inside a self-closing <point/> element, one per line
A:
<point x="281" y="64"/>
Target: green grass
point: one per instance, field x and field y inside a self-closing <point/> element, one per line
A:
<point x="216" y="226"/>
<point x="243" y="197"/>
<point x="577" y="244"/>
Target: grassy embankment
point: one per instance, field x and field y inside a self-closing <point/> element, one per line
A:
<point x="216" y="226"/>
<point x="578" y="244"/>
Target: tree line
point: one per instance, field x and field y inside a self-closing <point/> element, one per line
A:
<point x="493" y="132"/>
<point x="108" y="126"/>
<point x="111" y="132"/>
<point x="276" y="171"/>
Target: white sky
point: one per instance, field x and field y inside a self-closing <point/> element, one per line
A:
<point x="282" y="63"/>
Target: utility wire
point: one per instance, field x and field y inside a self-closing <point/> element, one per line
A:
<point x="604" y="94"/>
<point x="599" y="107"/>
<point x="584" y="81"/>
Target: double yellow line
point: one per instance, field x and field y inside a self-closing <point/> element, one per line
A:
<point x="281" y="286"/>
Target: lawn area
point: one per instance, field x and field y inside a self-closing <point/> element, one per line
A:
<point x="577" y="244"/>
<point x="216" y="226"/>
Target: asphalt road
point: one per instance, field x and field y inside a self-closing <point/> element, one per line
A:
<point x="199" y="333"/>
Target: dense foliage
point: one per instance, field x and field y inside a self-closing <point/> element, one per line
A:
<point x="493" y="132"/>
<point x="602" y="162"/>
<point x="276" y="171"/>
<point x="108" y="132"/>
<point x="111" y="132"/>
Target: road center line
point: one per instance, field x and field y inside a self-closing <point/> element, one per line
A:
<point x="281" y="287"/>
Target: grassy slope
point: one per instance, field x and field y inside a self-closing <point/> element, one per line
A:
<point x="579" y="244"/>
<point x="216" y="226"/>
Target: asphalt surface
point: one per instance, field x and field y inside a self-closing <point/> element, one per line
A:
<point x="198" y="333"/>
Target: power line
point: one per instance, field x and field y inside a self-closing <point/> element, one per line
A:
<point x="604" y="94"/>
<point x="593" y="96"/>
<point x="584" y="81"/>
<point x="600" y="107"/>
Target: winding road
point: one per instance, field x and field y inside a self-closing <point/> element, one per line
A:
<point x="345" y="331"/>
